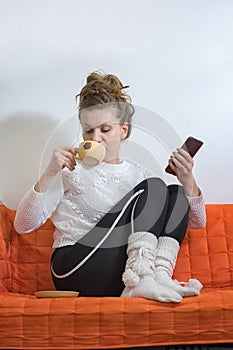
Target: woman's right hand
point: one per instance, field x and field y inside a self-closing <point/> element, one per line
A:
<point x="62" y="157"/>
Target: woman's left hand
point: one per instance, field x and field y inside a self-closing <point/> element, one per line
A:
<point x="182" y="164"/>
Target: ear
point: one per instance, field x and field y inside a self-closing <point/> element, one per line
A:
<point x="124" y="130"/>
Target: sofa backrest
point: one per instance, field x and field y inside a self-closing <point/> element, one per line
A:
<point x="5" y="234"/>
<point x="26" y="257"/>
<point x="205" y="254"/>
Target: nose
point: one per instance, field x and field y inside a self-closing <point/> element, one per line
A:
<point x="96" y="135"/>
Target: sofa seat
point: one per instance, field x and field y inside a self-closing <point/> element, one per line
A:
<point x="99" y="323"/>
<point x="103" y="323"/>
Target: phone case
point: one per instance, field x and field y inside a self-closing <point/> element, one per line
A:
<point x="191" y="145"/>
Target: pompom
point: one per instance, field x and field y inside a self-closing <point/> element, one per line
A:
<point x="194" y="283"/>
<point x="130" y="278"/>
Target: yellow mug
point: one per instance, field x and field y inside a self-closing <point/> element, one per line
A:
<point x="90" y="152"/>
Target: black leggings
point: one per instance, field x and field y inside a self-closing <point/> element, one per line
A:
<point x="157" y="208"/>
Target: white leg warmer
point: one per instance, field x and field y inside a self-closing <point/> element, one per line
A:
<point x="139" y="271"/>
<point x="165" y="261"/>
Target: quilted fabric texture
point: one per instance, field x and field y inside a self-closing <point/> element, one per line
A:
<point x="207" y="253"/>
<point x="102" y="323"/>
<point x="6" y="217"/>
<point x="30" y="258"/>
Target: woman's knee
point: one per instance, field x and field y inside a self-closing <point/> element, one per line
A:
<point x="153" y="183"/>
<point x="176" y="188"/>
<point x="177" y="191"/>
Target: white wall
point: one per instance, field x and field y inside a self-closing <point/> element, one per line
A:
<point x="176" y="55"/>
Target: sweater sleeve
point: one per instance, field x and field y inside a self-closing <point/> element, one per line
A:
<point x="35" y="208"/>
<point x="197" y="214"/>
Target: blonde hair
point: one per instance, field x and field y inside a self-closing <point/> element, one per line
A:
<point x="104" y="90"/>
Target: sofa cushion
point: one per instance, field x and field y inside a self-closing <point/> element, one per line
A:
<point x="103" y="323"/>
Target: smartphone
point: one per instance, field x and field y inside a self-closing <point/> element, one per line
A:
<point x="191" y="145"/>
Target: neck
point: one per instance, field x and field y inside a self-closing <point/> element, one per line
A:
<point x="114" y="161"/>
<point x="113" y="157"/>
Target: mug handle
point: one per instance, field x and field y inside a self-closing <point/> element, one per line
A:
<point x="76" y="156"/>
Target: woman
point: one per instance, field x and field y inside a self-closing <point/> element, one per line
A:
<point x="118" y="229"/>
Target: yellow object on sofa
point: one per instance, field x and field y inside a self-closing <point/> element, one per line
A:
<point x="102" y="323"/>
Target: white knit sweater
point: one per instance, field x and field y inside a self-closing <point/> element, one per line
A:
<point x="82" y="197"/>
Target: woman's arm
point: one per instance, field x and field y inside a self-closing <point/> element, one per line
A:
<point x="197" y="213"/>
<point x="36" y="207"/>
<point x="39" y="202"/>
<point x="182" y="164"/>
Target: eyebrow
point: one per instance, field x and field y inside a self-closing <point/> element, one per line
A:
<point x="88" y="126"/>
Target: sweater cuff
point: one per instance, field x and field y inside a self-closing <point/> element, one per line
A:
<point x="195" y="200"/>
<point x="36" y="194"/>
<point x="54" y="181"/>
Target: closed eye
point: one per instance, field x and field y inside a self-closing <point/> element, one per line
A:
<point x="88" y="131"/>
<point x="105" y="129"/>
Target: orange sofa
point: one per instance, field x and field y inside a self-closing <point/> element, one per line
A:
<point x="102" y="323"/>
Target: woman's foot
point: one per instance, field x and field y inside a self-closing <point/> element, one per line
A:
<point x="165" y="261"/>
<point x="139" y="270"/>
<point x="148" y="288"/>
<point x="184" y="289"/>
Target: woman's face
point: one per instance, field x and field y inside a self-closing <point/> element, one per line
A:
<point x="102" y="126"/>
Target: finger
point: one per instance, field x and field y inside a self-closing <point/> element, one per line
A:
<point x="178" y="165"/>
<point x="73" y="163"/>
<point x="185" y="154"/>
<point x="70" y="159"/>
<point x="72" y="150"/>
<point x="179" y="158"/>
<point x="172" y="165"/>
<point x="189" y="162"/>
<point x="184" y="158"/>
<point x="75" y="155"/>
<point x="69" y="155"/>
<point x="65" y="157"/>
<point x="59" y="155"/>
<point x="67" y="150"/>
<point x="69" y="165"/>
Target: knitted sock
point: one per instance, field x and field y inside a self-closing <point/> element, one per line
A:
<point x="139" y="272"/>
<point x="165" y="261"/>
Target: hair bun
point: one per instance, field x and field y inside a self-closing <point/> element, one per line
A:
<point x="106" y="84"/>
